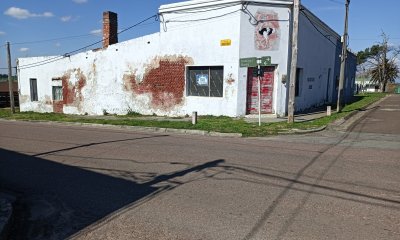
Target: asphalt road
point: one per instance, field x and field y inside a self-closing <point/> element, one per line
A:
<point x="98" y="183"/>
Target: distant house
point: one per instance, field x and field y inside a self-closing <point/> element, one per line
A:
<point x="204" y="59"/>
<point x="364" y="82"/>
<point x="5" y="94"/>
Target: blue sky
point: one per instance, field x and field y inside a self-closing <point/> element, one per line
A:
<point x="29" y="25"/>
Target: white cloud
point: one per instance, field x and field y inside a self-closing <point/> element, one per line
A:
<point x="58" y="44"/>
<point x="66" y="18"/>
<point x="20" y="13"/>
<point x="80" y="1"/>
<point x="46" y="14"/>
<point x="96" y="32"/>
<point x="2" y="33"/>
<point x="24" y="49"/>
<point x="69" y="18"/>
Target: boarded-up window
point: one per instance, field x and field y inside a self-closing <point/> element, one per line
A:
<point x="205" y="81"/>
<point x="57" y="93"/>
<point x="34" y="94"/>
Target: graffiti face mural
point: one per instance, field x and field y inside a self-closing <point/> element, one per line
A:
<point x="267" y="31"/>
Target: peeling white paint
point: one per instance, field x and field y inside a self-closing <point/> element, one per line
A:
<point x="107" y="70"/>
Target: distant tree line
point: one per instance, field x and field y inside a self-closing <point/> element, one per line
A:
<point x="4" y="77"/>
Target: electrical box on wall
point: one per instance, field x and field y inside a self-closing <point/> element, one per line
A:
<point x="284" y="78"/>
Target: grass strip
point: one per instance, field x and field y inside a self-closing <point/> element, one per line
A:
<point x="205" y="123"/>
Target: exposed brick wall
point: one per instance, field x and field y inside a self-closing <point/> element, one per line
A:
<point x="58" y="106"/>
<point x="110" y="29"/>
<point x="72" y="93"/>
<point x="165" y="83"/>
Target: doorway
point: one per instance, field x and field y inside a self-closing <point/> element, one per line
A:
<point x="267" y="89"/>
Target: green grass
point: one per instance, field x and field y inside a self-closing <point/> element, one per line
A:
<point x="207" y="123"/>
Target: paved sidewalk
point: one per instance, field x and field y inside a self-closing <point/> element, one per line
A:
<point x="301" y="117"/>
<point x="265" y="118"/>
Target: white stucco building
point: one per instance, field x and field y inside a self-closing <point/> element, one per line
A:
<point x="201" y="60"/>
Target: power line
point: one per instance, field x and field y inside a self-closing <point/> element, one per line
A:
<point x="53" y="39"/>
<point x="203" y="19"/>
<point x="60" y="38"/>
<point x="40" y="63"/>
<point x="360" y="39"/>
<point x="336" y="1"/>
<point x="316" y="28"/>
<point x="68" y="54"/>
<point x="126" y="29"/>
<point x="202" y="11"/>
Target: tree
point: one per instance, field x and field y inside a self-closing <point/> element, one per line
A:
<point x="391" y="73"/>
<point x="380" y="60"/>
<point x="363" y="56"/>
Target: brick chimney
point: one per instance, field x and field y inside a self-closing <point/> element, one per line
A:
<point x="110" y="28"/>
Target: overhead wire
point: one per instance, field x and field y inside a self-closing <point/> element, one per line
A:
<point x="318" y="30"/>
<point x="243" y="9"/>
<point x="257" y="21"/>
<point x="68" y="54"/>
<point x="53" y="39"/>
<point x="202" y="11"/>
<point x="204" y="19"/>
<point x="336" y="1"/>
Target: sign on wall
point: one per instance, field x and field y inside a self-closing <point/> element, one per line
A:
<point x="226" y="42"/>
<point x="202" y="79"/>
<point x="267" y="31"/>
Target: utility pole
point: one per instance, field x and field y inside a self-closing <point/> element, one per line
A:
<point x="10" y="83"/>
<point x="384" y="83"/>
<point x="293" y="66"/>
<point x="259" y="91"/>
<point x="343" y="60"/>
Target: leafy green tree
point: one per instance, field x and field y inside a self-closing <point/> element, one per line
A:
<point x="391" y="73"/>
<point x="363" y="56"/>
<point x="380" y="60"/>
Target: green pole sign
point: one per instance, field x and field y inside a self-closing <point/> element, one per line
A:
<point x="265" y="61"/>
<point x="248" y="62"/>
<point x="254" y="62"/>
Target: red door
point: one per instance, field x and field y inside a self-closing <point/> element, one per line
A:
<point x="267" y="89"/>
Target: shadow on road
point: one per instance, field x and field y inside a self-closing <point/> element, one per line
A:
<point x="58" y="201"/>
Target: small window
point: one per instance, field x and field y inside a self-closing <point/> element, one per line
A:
<point x="34" y="94"/>
<point x="205" y="81"/>
<point x="299" y="73"/>
<point x="57" y="93"/>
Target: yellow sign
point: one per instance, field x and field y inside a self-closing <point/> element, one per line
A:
<point x="226" y="42"/>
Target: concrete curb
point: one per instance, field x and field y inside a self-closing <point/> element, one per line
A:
<point x="6" y="213"/>
<point x="345" y="123"/>
<point x="303" y="131"/>
<point x="140" y="128"/>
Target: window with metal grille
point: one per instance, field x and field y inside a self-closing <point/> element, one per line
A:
<point x="57" y="93"/>
<point x="205" y="81"/>
<point x="34" y="93"/>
